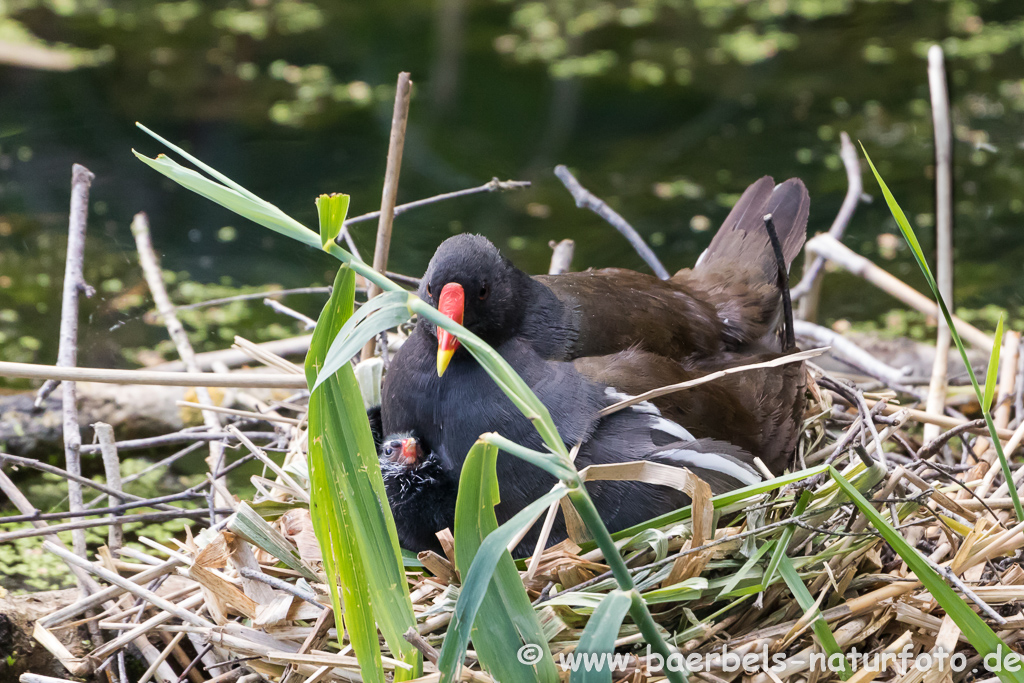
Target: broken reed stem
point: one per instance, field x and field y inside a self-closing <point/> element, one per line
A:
<point x="150" y="265"/>
<point x="257" y="575"/>
<point x="164" y="654"/>
<point x="936" y="402"/>
<point x="396" y="145"/>
<point x="112" y="468"/>
<point x="67" y="354"/>
<point x="18" y="499"/>
<point x="561" y="256"/>
<point x="808" y="289"/>
<point x="74" y="280"/>
<point x="585" y="199"/>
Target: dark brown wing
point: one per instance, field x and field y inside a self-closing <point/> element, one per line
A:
<point x="614" y="309"/>
<point x="760" y="411"/>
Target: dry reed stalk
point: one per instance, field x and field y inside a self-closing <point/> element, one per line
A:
<point x="936" y="402"/>
<point x="396" y="146"/>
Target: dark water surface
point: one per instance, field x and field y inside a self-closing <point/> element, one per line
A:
<point x="666" y="109"/>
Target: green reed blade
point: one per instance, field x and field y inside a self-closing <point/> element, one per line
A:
<point x="599" y="637"/>
<point x="973" y="627"/>
<point x="506" y="621"/>
<point x="915" y="247"/>
<point x="349" y="485"/>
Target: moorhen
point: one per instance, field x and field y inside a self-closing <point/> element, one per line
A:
<point x="728" y="302"/>
<point x="421" y="468"/>
<point x="704" y="428"/>
<point x="627" y="332"/>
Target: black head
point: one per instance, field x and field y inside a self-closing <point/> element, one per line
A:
<point x="494" y="291"/>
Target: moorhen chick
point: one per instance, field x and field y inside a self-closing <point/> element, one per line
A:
<point x="728" y="302"/>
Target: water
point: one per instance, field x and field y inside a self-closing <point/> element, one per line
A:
<point x="676" y="111"/>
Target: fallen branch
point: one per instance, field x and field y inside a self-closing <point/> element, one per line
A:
<point x="153" y="274"/>
<point x="585" y="199"/>
<point x="166" y="379"/>
<point x="828" y="247"/>
<point x="936" y="400"/>
<point x="808" y="286"/>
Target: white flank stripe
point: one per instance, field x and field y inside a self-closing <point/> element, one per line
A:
<point x="718" y="463"/>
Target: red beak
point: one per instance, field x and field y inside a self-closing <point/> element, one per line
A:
<point x="451" y="303"/>
<point x="410" y="451"/>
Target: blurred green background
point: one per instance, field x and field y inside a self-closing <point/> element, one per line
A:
<point x="665" y="108"/>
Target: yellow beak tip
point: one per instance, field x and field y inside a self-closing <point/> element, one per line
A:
<point x="443" y="358"/>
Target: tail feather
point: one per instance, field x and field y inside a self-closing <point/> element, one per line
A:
<point x="742" y="237"/>
<point x="739" y="273"/>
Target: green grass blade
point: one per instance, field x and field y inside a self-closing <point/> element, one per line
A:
<point x="476" y="581"/>
<point x="981" y="637"/>
<point x="234" y="197"/>
<point x="735" y="579"/>
<point x="350" y="491"/>
<point x="548" y="462"/>
<point x="350" y="591"/>
<point x="784" y="538"/>
<point x="332" y="209"/>
<point x="684" y="591"/>
<point x="806" y="602"/>
<point x="992" y="376"/>
<point x="599" y="637"/>
<point x="209" y="169"/>
<point x="352" y="337"/>
<point x="256" y="210"/>
<point x="915" y="247"/>
<point x="507" y="620"/>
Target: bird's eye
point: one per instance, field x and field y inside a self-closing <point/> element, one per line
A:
<point x="429" y="292"/>
<point x="484" y="291"/>
<point x="388" y="450"/>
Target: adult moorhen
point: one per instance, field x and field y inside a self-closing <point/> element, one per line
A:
<point x="728" y="302"/>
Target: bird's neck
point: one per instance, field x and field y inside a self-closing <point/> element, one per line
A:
<point x="548" y="322"/>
